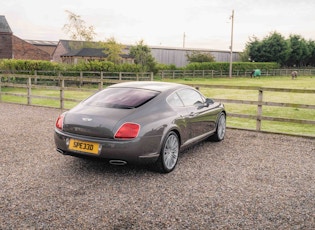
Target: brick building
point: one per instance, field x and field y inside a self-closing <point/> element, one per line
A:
<point x="12" y="47"/>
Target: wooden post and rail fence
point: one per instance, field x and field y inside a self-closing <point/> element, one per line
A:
<point x="177" y="74"/>
<point x="61" y="84"/>
<point x="260" y="103"/>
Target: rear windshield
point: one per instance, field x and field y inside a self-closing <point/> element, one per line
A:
<point x="123" y="98"/>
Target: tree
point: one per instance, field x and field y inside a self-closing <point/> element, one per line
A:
<point x="77" y="29"/>
<point x="253" y="48"/>
<point x="196" y="56"/>
<point x="113" y="50"/>
<point x="294" y="51"/>
<point x="142" y="56"/>
<point x="299" y="51"/>
<point x="311" y="47"/>
<point x="273" y="48"/>
<point x="244" y="56"/>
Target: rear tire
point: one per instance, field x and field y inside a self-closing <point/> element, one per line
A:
<point x="169" y="153"/>
<point x="221" y="129"/>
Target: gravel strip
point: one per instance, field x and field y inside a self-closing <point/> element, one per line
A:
<point x="249" y="181"/>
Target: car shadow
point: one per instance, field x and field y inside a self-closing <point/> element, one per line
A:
<point x="102" y="166"/>
<point x="92" y="166"/>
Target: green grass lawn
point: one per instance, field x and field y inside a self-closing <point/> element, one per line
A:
<point x="302" y="82"/>
<point x="272" y="111"/>
<point x="251" y="95"/>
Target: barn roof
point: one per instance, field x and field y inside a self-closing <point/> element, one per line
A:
<point x="89" y="52"/>
<point x="4" y="26"/>
<point x="86" y="52"/>
<point x="42" y="43"/>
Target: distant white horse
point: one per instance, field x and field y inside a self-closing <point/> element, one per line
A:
<point x="294" y="74"/>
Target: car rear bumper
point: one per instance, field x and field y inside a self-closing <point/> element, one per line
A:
<point x="139" y="150"/>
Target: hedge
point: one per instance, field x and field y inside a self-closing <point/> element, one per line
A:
<point x="237" y="66"/>
<point x="32" y="65"/>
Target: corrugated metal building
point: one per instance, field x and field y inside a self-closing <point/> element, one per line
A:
<point x="177" y="56"/>
<point x="163" y="55"/>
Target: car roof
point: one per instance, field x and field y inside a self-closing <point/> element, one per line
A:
<point x="150" y="85"/>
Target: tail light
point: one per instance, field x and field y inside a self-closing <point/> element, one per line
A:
<point x="59" y="122"/>
<point x="128" y="131"/>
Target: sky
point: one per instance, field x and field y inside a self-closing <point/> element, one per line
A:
<point x="204" y="24"/>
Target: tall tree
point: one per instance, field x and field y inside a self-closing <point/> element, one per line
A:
<point x="253" y="49"/>
<point x="113" y="49"/>
<point x="142" y="56"/>
<point x="77" y="29"/>
<point x="299" y="51"/>
<point x="273" y="48"/>
<point x="311" y="47"/>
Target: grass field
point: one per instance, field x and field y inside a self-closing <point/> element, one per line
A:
<point x="252" y="95"/>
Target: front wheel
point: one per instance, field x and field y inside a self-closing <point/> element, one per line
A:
<point x="221" y="128"/>
<point x="169" y="153"/>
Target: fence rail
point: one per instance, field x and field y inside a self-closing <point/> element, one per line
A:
<point x="260" y="103"/>
<point x="66" y="83"/>
<point x="225" y="73"/>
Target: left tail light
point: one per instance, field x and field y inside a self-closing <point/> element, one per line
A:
<point x="128" y="131"/>
<point x="59" y="121"/>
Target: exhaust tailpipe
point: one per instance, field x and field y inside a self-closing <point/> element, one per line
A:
<point x="117" y="162"/>
<point x="60" y="151"/>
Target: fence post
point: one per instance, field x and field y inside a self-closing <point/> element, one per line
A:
<point x="100" y="86"/>
<point x="62" y="93"/>
<point x="81" y="79"/>
<point x="0" y="89"/>
<point x="29" y="91"/>
<point x="259" y="110"/>
<point x="120" y="76"/>
<point x="151" y="76"/>
<point x="35" y="79"/>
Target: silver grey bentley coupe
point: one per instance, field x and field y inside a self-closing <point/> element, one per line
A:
<point x="140" y="122"/>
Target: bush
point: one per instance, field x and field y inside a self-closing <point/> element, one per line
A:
<point x="237" y="66"/>
<point x="106" y="66"/>
<point x="28" y="65"/>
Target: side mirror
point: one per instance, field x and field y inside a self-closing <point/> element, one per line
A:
<point x="209" y="101"/>
<point x="206" y="104"/>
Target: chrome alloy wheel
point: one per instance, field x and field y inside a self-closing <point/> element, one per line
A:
<point x="221" y="127"/>
<point x="170" y="152"/>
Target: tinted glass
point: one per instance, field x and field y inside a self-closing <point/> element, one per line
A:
<point x="124" y="98"/>
<point x="174" y="100"/>
<point x="190" y="97"/>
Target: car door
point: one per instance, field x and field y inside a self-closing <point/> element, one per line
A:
<point x="181" y="121"/>
<point x="200" y="118"/>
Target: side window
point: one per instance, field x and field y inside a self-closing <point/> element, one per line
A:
<point x="174" y="100"/>
<point x="190" y="97"/>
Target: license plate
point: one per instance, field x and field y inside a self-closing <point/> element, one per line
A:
<point x="83" y="146"/>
